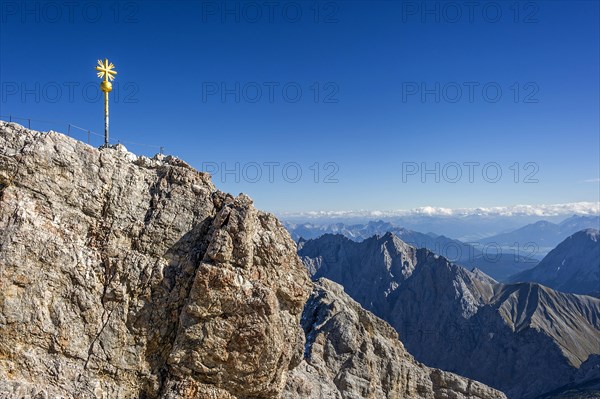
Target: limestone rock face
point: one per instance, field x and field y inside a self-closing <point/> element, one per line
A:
<point x="352" y="354"/>
<point x="131" y="277"/>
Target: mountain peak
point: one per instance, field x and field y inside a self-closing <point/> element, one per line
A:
<point x="592" y="234"/>
<point x="570" y="267"/>
<point x="443" y="311"/>
<point x="133" y="276"/>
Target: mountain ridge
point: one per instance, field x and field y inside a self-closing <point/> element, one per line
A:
<point x="500" y="263"/>
<point x="544" y="234"/>
<point x="342" y="337"/>
<point x="446" y="314"/>
<point x="125" y="276"/>
<point x="573" y="266"/>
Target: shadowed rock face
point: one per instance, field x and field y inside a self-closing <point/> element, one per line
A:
<point x="134" y="277"/>
<point x="573" y="266"/>
<point x="350" y="353"/>
<point x="127" y="277"/>
<point x="499" y="267"/>
<point x="524" y="339"/>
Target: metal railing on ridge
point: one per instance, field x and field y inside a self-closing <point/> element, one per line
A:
<point x="72" y="129"/>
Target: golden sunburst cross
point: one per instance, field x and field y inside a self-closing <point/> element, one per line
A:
<point x="106" y="70"/>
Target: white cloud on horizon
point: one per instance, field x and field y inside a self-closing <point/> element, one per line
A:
<point x="596" y="180"/>
<point x="573" y="208"/>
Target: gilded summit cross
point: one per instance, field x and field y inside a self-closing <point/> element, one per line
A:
<point x="106" y="71"/>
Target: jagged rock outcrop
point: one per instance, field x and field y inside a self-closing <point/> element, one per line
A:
<point x="524" y="339"/>
<point x="125" y="277"/>
<point x="130" y="277"/>
<point x="573" y="266"/>
<point x="352" y="354"/>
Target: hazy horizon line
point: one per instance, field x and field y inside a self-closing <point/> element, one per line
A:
<point x="584" y="208"/>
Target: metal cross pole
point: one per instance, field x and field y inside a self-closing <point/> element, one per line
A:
<point x="106" y="70"/>
<point x="106" y="137"/>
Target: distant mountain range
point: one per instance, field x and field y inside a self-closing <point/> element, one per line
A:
<point x="573" y="266"/>
<point x="500" y="256"/>
<point x="499" y="263"/>
<point x="525" y="339"/>
<point x="544" y="234"/>
<point x="471" y="225"/>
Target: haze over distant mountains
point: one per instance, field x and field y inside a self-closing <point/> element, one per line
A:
<point x="544" y="234"/>
<point x="573" y="266"/>
<point x="496" y="262"/>
<point x="499" y="256"/>
<point x="468" y="224"/>
<point x="524" y="339"/>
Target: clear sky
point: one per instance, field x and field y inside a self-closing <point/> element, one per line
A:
<point x="358" y="96"/>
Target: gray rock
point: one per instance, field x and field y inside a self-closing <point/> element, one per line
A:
<point x="524" y="339"/>
<point x="131" y="277"/>
<point x="351" y="354"/>
<point x="494" y="261"/>
<point x="134" y="277"/>
<point x="573" y="266"/>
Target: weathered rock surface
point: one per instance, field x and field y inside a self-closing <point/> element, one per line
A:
<point x="130" y="277"/>
<point x="125" y="277"/>
<point x="352" y="354"/>
<point x="524" y="339"/>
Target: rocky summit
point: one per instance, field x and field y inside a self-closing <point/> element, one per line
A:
<point x="134" y="277"/>
<point x="123" y="276"/>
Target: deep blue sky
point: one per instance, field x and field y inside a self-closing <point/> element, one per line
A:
<point x="365" y="58"/>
